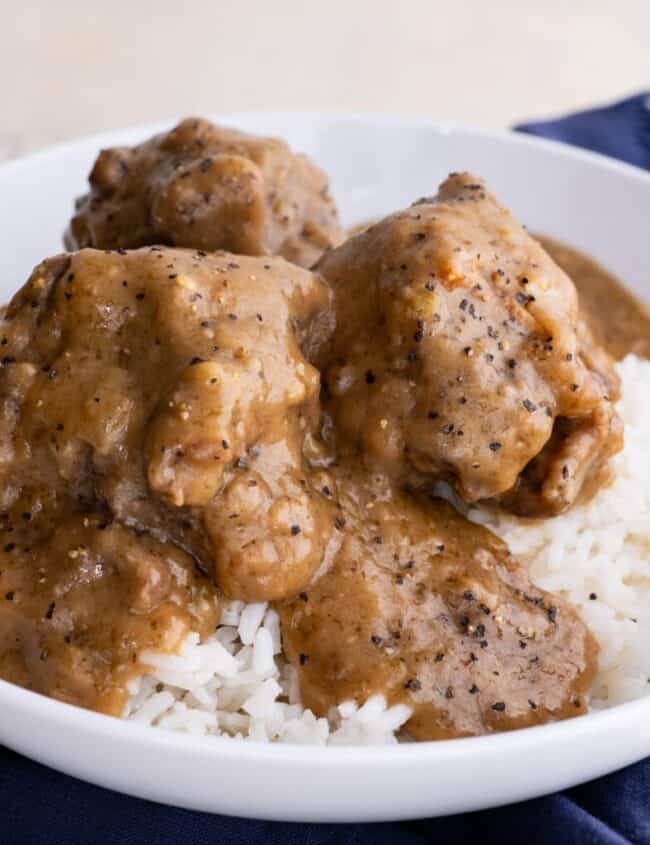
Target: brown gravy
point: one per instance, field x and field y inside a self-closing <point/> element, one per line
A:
<point x="619" y="321"/>
<point x="433" y="611"/>
<point x="153" y="406"/>
<point x="163" y="444"/>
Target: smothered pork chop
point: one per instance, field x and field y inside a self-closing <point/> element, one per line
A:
<point x="208" y="187"/>
<point x="165" y="452"/>
<point x="459" y="355"/>
<point x="424" y="607"/>
<point x="164" y="391"/>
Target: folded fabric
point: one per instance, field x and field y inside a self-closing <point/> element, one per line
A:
<point x="42" y="807"/>
<point x="621" y="130"/>
<point x="38" y="805"/>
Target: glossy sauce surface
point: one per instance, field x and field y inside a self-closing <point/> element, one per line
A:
<point x="208" y="187"/>
<point x="619" y="320"/>
<point x="154" y="405"/>
<point x="433" y="611"/>
<point x="458" y="355"/>
<point x="165" y="439"/>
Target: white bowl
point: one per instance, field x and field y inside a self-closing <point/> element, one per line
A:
<point x="377" y="164"/>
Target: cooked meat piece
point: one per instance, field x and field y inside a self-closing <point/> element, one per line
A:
<point x="77" y="609"/>
<point x="162" y="439"/>
<point x="434" y="612"/>
<point x="207" y="187"/>
<point x="169" y="386"/>
<point x="457" y="355"/>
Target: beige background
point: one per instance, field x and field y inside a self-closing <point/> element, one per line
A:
<point x="69" y="67"/>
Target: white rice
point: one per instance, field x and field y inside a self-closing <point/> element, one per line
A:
<point x="602" y="549"/>
<point x="238" y="684"/>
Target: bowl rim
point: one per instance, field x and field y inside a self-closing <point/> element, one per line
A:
<point x="64" y="716"/>
<point x="414" y="120"/>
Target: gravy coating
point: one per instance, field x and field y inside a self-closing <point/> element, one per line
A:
<point x="458" y="356"/>
<point x="162" y="396"/>
<point x="433" y="611"/>
<point x="165" y="438"/>
<point x="619" y="321"/>
<point x="208" y="187"/>
<point x="78" y="608"/>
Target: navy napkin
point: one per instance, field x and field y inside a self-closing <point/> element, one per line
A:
<point x="41" y="807"/>
<point x="621" y="130"/>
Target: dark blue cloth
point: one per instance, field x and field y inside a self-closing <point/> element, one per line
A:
<point x="621" y="130"/>
<point x="41" y="807"/>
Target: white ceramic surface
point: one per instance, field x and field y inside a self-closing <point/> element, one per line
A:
<point x="376" y="164"/>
